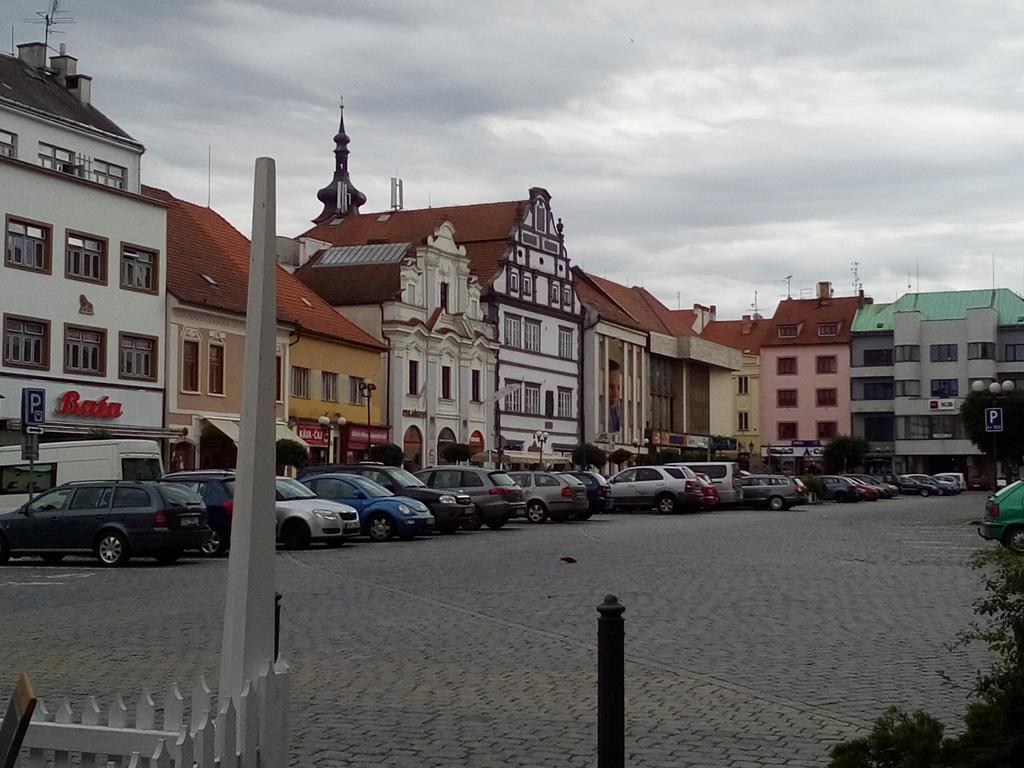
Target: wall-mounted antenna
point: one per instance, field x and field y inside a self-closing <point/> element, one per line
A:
<point x="50" y="17"/>
<point x="789" y="286"/>
<point x="397" y="194"/>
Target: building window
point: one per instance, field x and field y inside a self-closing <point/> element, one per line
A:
<point x="137" y="357"/>
<point x="279" y="381"/>
<point x="878" y="391"/>
<point x="943" y="353"/>
<point x="825" y="397"/>
<point x="787" y="430"/>
<point x="787" y="331"/>
<point x="57" y="158"/>
<point x="908" y="353"/>
<point x="474" y="386"/>
<point x="414" y="378"/>
<point x="826" y="364"/>
<point x="355" y="394"/>
<point x="555" y="292"/>
<point x="444" y="296"/>
<point x="28" y="245"/>
<point x="138" y="269"/>
<point x="329" y="386"/>
<point x="514" y="399"/>
<point x="513" y="280"/>
<point x="8" y="144"/>
<point x="86" y="258"/>
<point x="828" y="329"/>
<point x="109" y="174"/>
<point x="85" y="350"/>
<point x="26" y="342"/>
<point x="981" y="350"/>
<point x="567" y="297"/>
<point x="785" y="366"/>
<point x="743" y="385"/>
<point x="743" y="423"/>
<point x="945" y="387"/>
<point x="190" y="366"/>
<point x="446" y="382"/>
<point x="827" y="430"/>
<point x="513" y="331"/>
<point x="908" y="388"/>
<point x="215" y="382"/>
<point x="1013" y="353"/>
<point x="300" y="382"/>
<point x="786" y="398"/>
<point x="531" y="400"/>
<point x="564" y="403"/>
<point x="549" y="404"/>
<point x="879" y="429"/>
<point x="527" y="285"/>
<point x="877" y="357"/>
<point x="531" y="335"/>
<point x="565" y="343"/>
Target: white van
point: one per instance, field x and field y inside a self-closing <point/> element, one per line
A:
<point x="724" y="474"/>
<point x="75" y="460"/>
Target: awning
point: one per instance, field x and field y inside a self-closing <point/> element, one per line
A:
<point x="229" y="429"/>
<point x="284" y="432"/>
<point x="522" y="457"/>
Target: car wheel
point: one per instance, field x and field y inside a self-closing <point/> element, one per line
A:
<point x="295" y="535"/>
<point x="474" y="522"/>
<point x="839" y="497"/>
<point x="168" y="557"/>
<point x="535" y="512"/>
<point x="1014" y="539"/>
<point x="52" y="558"/>
<point x="777" y="503"/>
<point x="5" y="550"/>
<point x="112" y="549"/>
<point x="496" y="525"/>
<point x="380" y="527"/>
<point x="925" y="492"/>
<point x="665" y="504"/>
<point x="216" y="545"/>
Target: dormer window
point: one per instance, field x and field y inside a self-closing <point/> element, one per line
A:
<point x="554" y="293"/>
<point x="57" y="159"/>
<point x="527" y="285"/>
<point x="513" y="281"/>
<point x="828" y="329"/>
<point x="540" y="216"/>
<point x="567" y="296"/>
<point x="787" y="331"/>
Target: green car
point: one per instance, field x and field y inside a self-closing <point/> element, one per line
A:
<point x="1004" y="517"/>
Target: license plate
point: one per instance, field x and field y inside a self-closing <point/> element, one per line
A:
<point x="351" y="526"/>
<point x="189" y="522"/>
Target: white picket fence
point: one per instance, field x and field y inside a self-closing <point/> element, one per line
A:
<point x="251" y="732"/>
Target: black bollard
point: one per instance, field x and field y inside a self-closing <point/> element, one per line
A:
<point x="611" y="685"/>
<point x="277" y="624"/>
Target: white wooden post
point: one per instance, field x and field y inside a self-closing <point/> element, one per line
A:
<point x="248" y="642"/>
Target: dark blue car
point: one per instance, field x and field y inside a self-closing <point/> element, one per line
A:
<point x="383" y="514"/>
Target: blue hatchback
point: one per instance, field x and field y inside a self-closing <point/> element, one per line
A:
<point x="383" y="514"/>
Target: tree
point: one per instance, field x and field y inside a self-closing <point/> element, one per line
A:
<point x="620" y="456"/>
<point x="454" y="453"/>
<point x="389" y="454"/>
<point x="291" y="453"/>
<point x="1010" y="442"/>
<point x="666" y="456"/>
<point x="588" y="455"/>
<point x="845" y="453"/>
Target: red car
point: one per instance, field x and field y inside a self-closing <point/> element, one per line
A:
<point x="869" y="492"/>
<point x="709" y="498"/>
<point x="979" y="483"/>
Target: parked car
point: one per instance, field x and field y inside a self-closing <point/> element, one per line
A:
<point x="724" y="474"/>
<point x="382" y="514"/>
<point x="551" y="495"/>
<point x="667" y="488"/>
<point x="710" y="498"/>
<point x="451" y="511"/>
<point x="301" y="517"/>
<point x="494" y="494"/>
<point x="919" y="484"/>
<point x="949" y="484"/>
<point x="869" y="491"/>
<point x="957" y="478"/>
<point x="839" y="488"/>
<point x="886" y="490"/>
<point x="114" y="520"/>
<point x="1004" y="517"/>
<point x="979" y="483"/>
<point x="940" y="487"/>
<point x="773" y="491"/>
<point x="599" y="491"/>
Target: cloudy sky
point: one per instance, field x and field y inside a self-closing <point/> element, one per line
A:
<point x="705" y="150"/>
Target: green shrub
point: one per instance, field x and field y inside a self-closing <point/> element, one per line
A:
<point x="588" y="455"/>
<point x="388" y="454"/>
<point x="814" y="485"/>
<point x="291" y="453"/>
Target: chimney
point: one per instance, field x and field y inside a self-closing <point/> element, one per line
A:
<point x="746" y="326"/>
<point x="713" y="310"/>
<point x="80" y="86"/>
<point x="64" y="66"/>
<point x="824" y="290"/>
<point x="32" y="55"/>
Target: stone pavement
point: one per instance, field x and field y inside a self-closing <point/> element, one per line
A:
<point x="753" y="638"/>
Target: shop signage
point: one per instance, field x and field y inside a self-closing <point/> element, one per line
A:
<point x="721" y="443"/>
<point x="71" y="404"/>
<point x="696" y="441"/>
<point x="314" y="434"/>
<point x="361" y="436"/>
<point x="414" y="414"/>
<point x="942" y="405"/>
<point x="805" y="443"/>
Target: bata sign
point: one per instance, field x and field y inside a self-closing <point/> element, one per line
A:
<point x="72" y="404"/>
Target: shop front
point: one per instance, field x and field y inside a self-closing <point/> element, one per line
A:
<point x="317" y="437"/>
<point x="357" y="439"/>
<point x="798" y="457"/>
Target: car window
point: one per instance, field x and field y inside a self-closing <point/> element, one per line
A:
<point x="778" y="481"/>
<point x="646" y="473"/>
<point x="546" y="481"/>
<point x="675" y="472"/>
<point x="587" y="480"/>
<point x="381" y="478"/>
<point x="372" y="489"/>
<point x="95" y="497"/>
<point x="178" y="494"/>
<point x="16" y="479"/>
<point x="714" y="471"/>
<point x="140" y="469"/>
<point x="625" y="476"/>
<point x="403" y="476"/>
<point x="1007" y="489"/>
<point x="472" y="480"/>
<point x="571" y="479"/>
<point x="289" y="490"/>
<point x="53" y="501"/>
<point x="748" y="481"/>
<point x="501" y="479"/>
<point x="331" y="488"/>
<point x="448" y="478"/>
<point x="524" y="479"/>
<point x="131" y="497"/>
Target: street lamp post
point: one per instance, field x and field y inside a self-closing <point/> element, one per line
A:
<point x="998" y="392"/>
<point x="366" y="389"/>
<point x="540" y="438"/>
<point x="325" y="422"/>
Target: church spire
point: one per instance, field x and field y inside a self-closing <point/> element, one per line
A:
<point x="340" y="197"/>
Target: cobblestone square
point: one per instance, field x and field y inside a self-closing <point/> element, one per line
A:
<point x="753" y="638"/>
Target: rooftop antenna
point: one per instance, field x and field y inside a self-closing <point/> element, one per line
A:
<point x="754" y="305"/>
<point x="908" y="281"/>
<point x="993" y="255"/>
<point x="679" y="300"/>
<point x="397" y="194"/>
<point x="50" y="17"/>
<point x="855" y="269"/>
<point x="789" y="286"/>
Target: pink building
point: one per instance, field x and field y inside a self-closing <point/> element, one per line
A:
<point x="805" y="379"/>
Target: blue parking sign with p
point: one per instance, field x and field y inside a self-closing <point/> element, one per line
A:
<point x="993" y="419"/>
<point x="33" y="406"/>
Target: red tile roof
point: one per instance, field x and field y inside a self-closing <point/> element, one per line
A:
<point x="807" y="315"/>
<point x="343" y="286"/>
<point x="485" y="229"/>
<point x="594" y="298"/>
<point x="201" y="242"/>
<point x="744" y="335"/>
